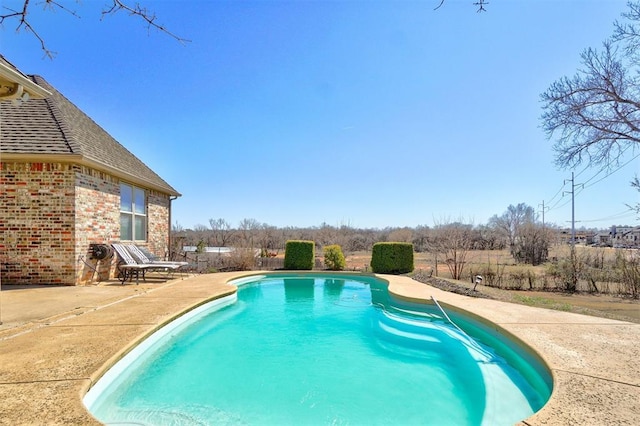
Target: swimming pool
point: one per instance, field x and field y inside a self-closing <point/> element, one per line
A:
<point x="321" y="349"/>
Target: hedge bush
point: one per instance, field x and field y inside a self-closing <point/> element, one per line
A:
<point x="299" y="255"/>
<point x="334" y="258"/>
<point x="392" y="258"/>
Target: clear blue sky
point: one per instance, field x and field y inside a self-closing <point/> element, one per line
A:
<point x="368" y="114"/>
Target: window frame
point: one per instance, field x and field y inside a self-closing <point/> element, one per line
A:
<point x="132" y="211"/>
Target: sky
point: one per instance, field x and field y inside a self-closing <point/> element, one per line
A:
<point x="369" y="114"/>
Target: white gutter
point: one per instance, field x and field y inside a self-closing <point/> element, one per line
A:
<point x="22" y="86"/>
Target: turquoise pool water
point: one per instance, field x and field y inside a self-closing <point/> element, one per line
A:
<point x="326" y="350"/>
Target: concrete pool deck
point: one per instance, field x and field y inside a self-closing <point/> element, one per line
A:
<point x="56" y="341"/>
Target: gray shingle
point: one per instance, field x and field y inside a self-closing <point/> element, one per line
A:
<point x="56" y="126"/>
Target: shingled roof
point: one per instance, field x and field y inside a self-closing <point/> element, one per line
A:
<point x="55" y="128"/>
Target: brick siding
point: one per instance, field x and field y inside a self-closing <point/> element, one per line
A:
<point x="158" y="223"/>
<point x="36" y="221"/>
<point x="51" y="212"/>
<point x="97" y="221"/>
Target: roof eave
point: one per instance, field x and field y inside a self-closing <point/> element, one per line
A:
<point x="23" y="84"/>
<point x="129" y="177"/>
<point x="81" y="160"/>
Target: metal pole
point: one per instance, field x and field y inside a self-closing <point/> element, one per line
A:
<point x="573" y="212"/>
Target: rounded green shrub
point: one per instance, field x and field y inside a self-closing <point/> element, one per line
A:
<point x="334" y="258"/>
<point x="392" y="258"/>
<point x="299" y="255"/>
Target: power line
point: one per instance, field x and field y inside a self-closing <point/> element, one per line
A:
<point x="556" y="194"/>
<point x="584" y="185"/>
<point x="609" y="174"/>
<point x="556" y="206"/>
<point x="594" y="176"/>
<point x="574" y="192"/>
<point x="584" y="170"/>
<point x="627" y="213"/>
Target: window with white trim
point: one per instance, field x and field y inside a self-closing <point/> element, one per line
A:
<point x="133" y="213"/>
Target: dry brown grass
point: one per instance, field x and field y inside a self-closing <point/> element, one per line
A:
<point x="606" y="305"/>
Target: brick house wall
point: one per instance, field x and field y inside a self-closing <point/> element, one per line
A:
<point x="158" y="206"/>
<point x="37" y="223"/>
<point x="97" y="220"/>
<point x="51" y="212"/>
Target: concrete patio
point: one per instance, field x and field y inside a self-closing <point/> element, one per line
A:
<point x="55" y="342"/>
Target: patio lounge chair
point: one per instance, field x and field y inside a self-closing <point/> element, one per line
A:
<point x="128" y="266"/>
<point x="145" y="258"/>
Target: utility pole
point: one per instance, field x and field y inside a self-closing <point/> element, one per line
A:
<point x="573" y="285"/>
<point x="543" y="208"/>
<point x="573" y="210"/>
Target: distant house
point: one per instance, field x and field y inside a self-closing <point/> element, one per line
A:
<point x="602" y="238"/>
<point x="625" y="236"/>
<point x="65" y="185"/>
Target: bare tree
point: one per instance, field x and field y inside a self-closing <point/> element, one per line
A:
<point x="357" y="241"/>
<point x="269" y="239"/>
<point x="488" y="238"/>
<point x="452" y="242"/>
<point x="511" y="222"/>
<point x="21" y="15"/>
<point x="177" y="240"/>
<point x="176" y="227"/>
<point x="532" y="245"/>
<point x="421" y="238"/>
<point x="402" y="235"/>
<point x="248" y="230"/>
<point x="327" y="235"/>
<point x="201" y="236"/>
<point x="595" y="115"/>
<point x="222" y="233"/>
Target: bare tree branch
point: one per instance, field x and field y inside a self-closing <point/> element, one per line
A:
<point x="628" y="33"/>
<point x="595" y="115"/>
<point x="142" y="12"/>
<point x="635" y="183"/>
<point x="22" y="17"/>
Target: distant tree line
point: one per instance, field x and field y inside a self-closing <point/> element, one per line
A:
<point x="516" y="229"/>
<point x="449" y="242"/>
